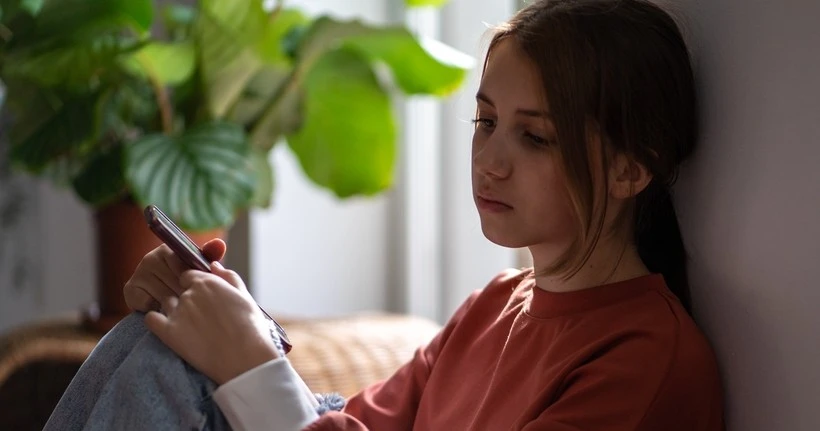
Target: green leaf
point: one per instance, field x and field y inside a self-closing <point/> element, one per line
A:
<point x="77" y="19"/>
<point x="242" y="18"/>
<point x="419" y="67"/>
<point x="263" y="172"/>
<point x="263" y="86"/>
<point x="200" y="179"/>
<point x="419" y="3"/>
<point x="65" y="132"/>
<point x="423" y="66"/>
<point x="69" y="65"/>
<point x="227" y="63"/>
<point x="127" y="109"/>
<point x="422" y="3"/>
<point x="102" y="180"/>
<point x="271" y="46"/>
<point x="283" y="114"/>
<point x="348" y="141"/>
<point x="168" y="63"/>
<point x="29" y="105"/>
<point x="32" y="6"/>
<point x="9" y="9"/>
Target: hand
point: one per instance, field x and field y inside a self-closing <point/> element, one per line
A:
<point x="157" y="276"/>
<point x="214" y="325"/>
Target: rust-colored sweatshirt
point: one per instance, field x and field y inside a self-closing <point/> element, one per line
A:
<point x="624" y="356"/>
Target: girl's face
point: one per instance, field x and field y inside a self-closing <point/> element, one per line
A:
<point x="518" y="186"/>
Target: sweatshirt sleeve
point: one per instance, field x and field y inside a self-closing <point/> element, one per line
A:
<point x="392" y="403"/>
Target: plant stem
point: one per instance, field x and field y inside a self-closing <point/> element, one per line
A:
<point x="164" y="104"/>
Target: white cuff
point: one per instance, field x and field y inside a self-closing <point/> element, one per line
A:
<point x="268" y="397"/>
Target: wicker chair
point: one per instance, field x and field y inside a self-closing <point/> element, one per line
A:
<point x="38" y="361"/>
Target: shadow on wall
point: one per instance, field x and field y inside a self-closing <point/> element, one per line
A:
<point x="749" y="206"/>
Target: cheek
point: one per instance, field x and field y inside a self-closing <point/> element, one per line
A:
<point x="554" y="202"/>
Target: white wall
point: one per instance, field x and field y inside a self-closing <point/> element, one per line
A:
<point x="750" y="205"/>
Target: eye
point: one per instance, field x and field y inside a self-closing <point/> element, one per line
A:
<point x="535" y="139"/>
<point x="484" y="123"/>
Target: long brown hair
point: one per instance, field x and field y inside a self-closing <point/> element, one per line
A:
<point x="620" y="68"/>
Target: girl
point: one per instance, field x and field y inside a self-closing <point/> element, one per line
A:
<point x="584" y="113"/>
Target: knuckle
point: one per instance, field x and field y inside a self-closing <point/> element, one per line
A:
<point x="187" y="295"/>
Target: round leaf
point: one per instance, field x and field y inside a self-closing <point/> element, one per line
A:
<point x="200" y="179"/>
<point x="168" y="63"/>
<point x="347" y="141"/>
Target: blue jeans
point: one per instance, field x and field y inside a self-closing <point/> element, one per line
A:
<point x="132" y="381"/>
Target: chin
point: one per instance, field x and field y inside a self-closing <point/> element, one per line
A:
<point x="503" y="237"/>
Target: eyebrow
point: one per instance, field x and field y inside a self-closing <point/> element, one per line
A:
<point x="526" y="112"/>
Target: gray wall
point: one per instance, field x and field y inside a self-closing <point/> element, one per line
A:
<point x="750" y="205"/>
<point x="55" y="238"/>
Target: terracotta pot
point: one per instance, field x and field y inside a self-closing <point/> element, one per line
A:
<point x="123" y="238"/>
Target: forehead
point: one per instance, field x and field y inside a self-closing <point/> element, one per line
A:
<point x="511" y="75"/>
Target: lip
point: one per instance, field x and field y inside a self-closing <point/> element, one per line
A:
<point x="487" y="203"/>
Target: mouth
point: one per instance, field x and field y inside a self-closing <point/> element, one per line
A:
<point x="487" y="203"/>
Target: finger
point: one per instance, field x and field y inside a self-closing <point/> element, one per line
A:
<point x="173" y="269"/>
<point x="159" y="325"/>
<point x="153" y="273"/>
<point x="162" y="286"/>
<point x="164" y="267"/>
<point x="171" y="260"/>
<point x="169" y="305"/>
<point x="138" y="298"/>
<point x="189" y="278"/>
<point x="146" y="289"/>
<point x="166" y="275"/>
<point x="226" y="274"/>
<point x="214" y="250"/>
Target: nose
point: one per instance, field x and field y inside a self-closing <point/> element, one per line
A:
<point x="490" y="157"/>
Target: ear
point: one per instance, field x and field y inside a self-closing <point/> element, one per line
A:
<point x="627" y="177"/>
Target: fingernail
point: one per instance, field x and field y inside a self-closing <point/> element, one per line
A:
<point x="218" y="265"/>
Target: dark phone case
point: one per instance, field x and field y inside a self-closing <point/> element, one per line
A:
<point x="176" y="239"/>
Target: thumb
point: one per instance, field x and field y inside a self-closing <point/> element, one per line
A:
<point x="214" y="249"/>
<point x="230" y="276"/>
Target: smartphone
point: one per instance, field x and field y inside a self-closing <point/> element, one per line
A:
<point x="190" y="254"/>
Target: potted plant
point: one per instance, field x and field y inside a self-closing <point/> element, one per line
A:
<point x="129" y="104"/>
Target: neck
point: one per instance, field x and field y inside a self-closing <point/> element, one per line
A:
<point x="610" y="262"/>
